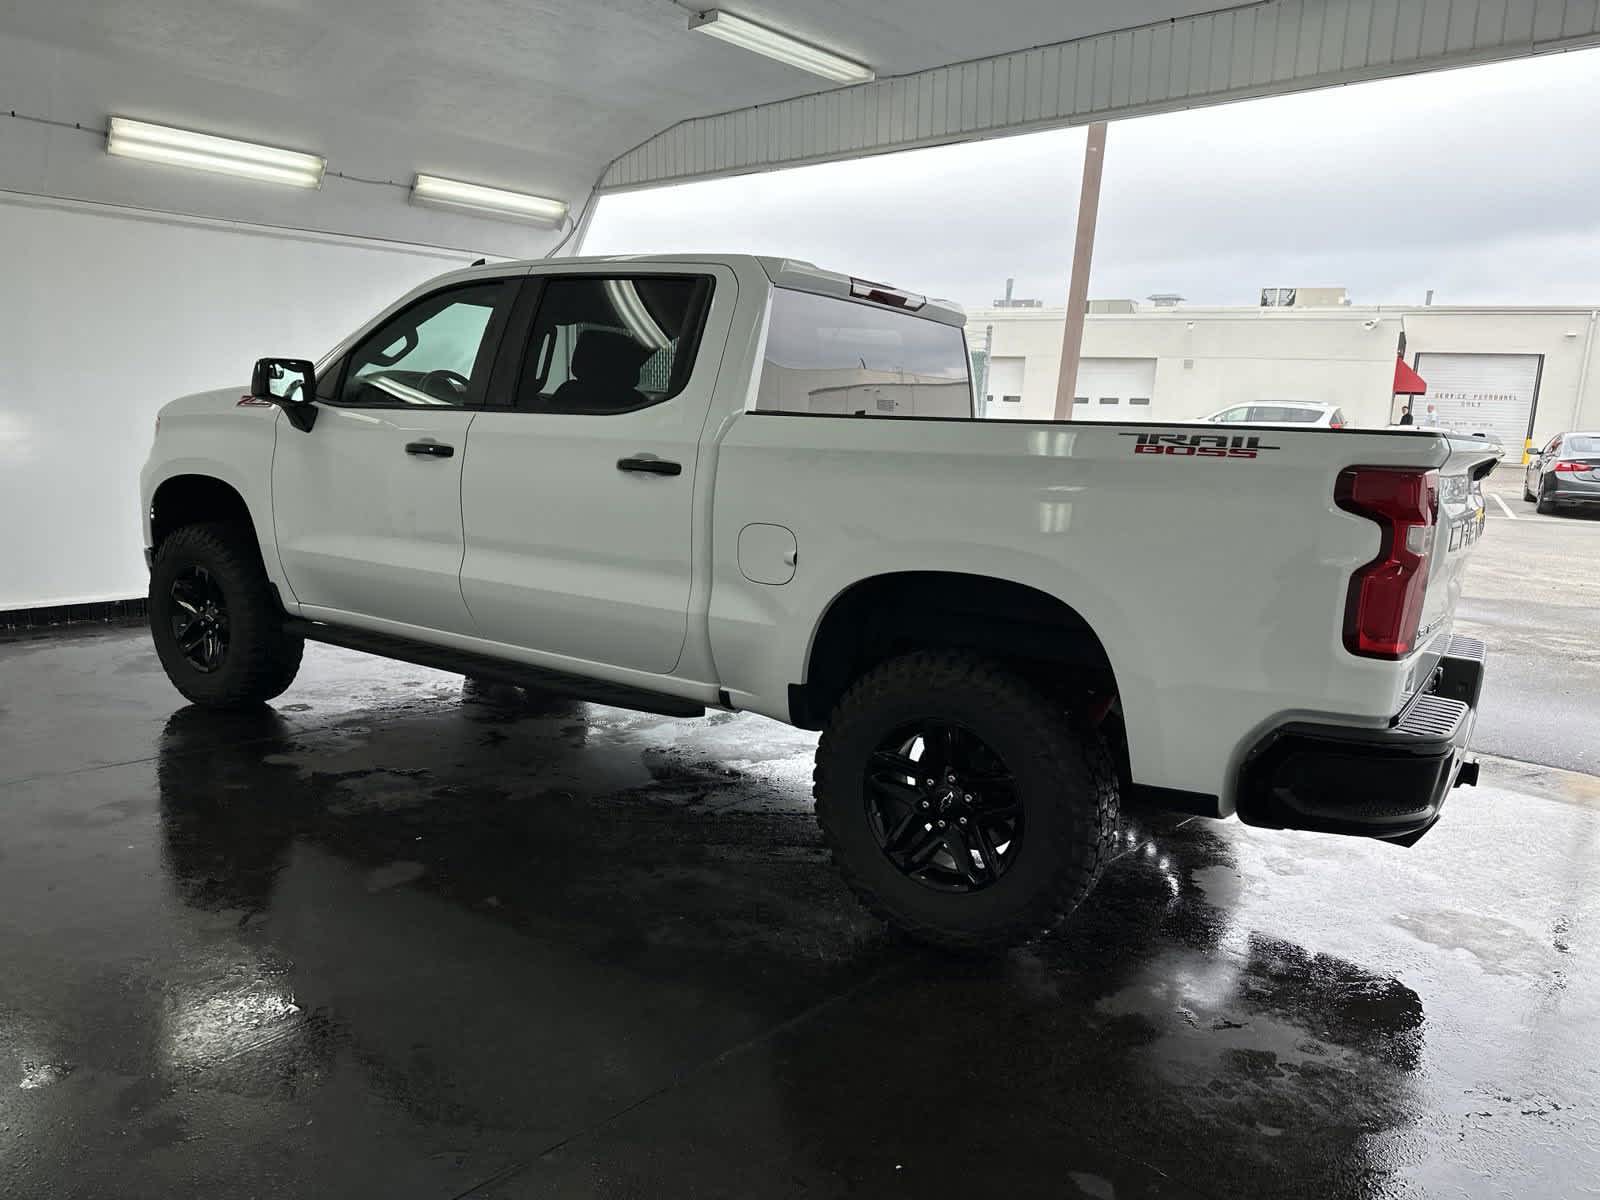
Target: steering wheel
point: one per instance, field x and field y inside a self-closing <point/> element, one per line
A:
<point x="454" y="383"/>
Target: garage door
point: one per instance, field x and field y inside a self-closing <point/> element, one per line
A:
<point x="1489" y="393"/>
<point x="1005" y="383"/>
<point x="1110" y="387"/>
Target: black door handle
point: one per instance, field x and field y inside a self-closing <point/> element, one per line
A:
<point x="650" y="466"/>
<point x="430" y="449"/>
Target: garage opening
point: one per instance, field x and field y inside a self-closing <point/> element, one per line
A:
<point x="1115" y="389"/>
<point x="1493" y="394"/>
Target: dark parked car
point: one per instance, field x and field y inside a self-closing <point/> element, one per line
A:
<point x="1565" y="472"/>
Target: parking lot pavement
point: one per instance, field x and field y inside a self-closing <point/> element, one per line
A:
<point x="1532" y="592"/>
<point x="394" y="939"/>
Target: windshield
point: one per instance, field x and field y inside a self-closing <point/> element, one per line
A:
<point x="826" y="355"/>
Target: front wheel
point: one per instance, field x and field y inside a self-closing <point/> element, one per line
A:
<point x="960" y="804"/>
<point x="217" y="627"/>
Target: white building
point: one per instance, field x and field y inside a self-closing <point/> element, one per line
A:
<point x="1512" y="372"/>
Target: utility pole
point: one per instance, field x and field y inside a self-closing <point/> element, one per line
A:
<point x="1094" y="156"/>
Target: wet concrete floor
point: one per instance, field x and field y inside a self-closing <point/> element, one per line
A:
<point x="391" y="938"/>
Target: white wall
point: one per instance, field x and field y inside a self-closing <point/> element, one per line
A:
<point x="1209" y="358"/>
<point x="1561" y="337"/>
<point x="106" y="315"/>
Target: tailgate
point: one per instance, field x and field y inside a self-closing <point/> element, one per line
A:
<point x="1461" y="523"/>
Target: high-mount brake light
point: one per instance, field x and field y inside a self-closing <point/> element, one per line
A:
<point x="1383" y="608"/>
<point x="882" y="293"/>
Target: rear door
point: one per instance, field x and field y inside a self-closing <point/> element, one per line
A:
<point x="367" y="503"/>
<point x="577" y="499"/>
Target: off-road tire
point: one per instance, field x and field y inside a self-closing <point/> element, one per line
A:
<point x="1064" y="777"/>
<point x="261" y="660"/>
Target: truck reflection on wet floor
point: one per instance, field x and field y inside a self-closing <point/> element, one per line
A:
<point x="484" y="919"/>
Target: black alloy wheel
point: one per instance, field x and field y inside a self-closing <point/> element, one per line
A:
<point x="943" y="806"/>
<point x="962" y="804"/>
<point x="215" y="617"/>
<point x="200" y="619"/>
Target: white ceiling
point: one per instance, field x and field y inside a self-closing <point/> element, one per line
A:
<point x="541" y="95"/>
<point x="538" y="95"/>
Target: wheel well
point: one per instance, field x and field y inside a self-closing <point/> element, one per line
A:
<point x="190" y="499"/>
<point x="1035" y="634"/>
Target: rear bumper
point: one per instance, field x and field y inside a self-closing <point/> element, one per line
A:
<point x="1384" y="783"/>
<point x="1560" y="490"/>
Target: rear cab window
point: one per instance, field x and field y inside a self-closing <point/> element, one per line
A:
<point x="827" y="355"/>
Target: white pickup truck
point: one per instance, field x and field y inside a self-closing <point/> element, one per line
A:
<point x="721" y="481"/>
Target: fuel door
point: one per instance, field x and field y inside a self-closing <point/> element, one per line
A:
<point x="767" y="554"/>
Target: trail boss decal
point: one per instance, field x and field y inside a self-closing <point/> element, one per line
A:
<point x="1198" y="445"/>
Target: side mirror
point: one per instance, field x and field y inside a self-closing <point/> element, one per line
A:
<point x="291" y="384"/>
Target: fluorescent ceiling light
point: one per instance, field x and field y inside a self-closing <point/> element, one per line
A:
<point x="780" y="46"/>
<point x="205" y="152"/>
<point x="495" y="202"/>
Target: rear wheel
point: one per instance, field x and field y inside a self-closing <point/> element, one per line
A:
<point x="960" y="804"/>
<point x="217" y="627"/>
<point x="1541" y="502"/>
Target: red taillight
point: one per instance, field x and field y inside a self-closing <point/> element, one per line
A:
<point x="1570" y="466"/>
<point x="1384" y="606"/>
<point x="1335" y="424"/>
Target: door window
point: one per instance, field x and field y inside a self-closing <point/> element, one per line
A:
<point x="612" y="344"/>
<point x="1234" y="415"/>
<point x="435" y="353"/>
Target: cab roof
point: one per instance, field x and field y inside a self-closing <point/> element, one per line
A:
<point x="794" y="274"/>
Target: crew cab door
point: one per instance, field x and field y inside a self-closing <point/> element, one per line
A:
<point x="579" y="489"/>
<point x="367" y="503"/>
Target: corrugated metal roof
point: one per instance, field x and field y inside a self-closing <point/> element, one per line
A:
<point x="1271" y="47"/>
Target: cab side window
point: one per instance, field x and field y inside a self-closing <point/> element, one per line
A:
<point x="436" y="353"/>
<point x="615" y="344"/>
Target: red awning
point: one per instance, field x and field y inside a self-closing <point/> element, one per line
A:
<point x="1406" y="381"/>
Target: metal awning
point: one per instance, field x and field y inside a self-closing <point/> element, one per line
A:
<point x="564" y="98"/>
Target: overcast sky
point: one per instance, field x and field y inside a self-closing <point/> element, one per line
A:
<point x="1482" y="183"/>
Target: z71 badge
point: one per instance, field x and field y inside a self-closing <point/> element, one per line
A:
<point x="1199" y="445"/>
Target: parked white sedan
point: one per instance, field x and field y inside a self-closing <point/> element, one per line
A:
<point x="1300" y="416"/>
